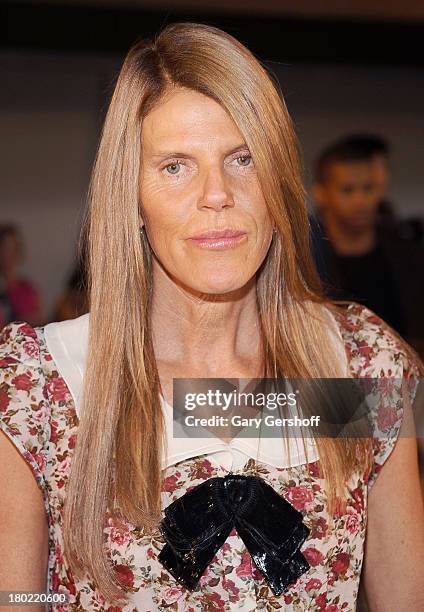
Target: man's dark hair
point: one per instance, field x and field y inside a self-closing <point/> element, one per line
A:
<point x="351" y="149"/>
<point x="373" y="143"/>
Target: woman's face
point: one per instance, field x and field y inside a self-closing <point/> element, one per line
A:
<point x="196" y="177"/>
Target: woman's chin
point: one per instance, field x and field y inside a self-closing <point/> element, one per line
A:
<point x="220" y="285"/>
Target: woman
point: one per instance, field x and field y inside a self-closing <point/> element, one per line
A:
<point x="200" y="268"/>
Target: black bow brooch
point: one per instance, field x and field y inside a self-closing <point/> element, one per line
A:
<point x="196" y="525"/>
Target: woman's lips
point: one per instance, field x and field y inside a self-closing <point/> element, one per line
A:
<point x="219" y="240"/>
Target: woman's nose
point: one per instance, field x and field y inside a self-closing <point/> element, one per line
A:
<point x="215" y="190"/>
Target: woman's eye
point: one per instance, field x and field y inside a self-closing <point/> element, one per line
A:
<point x="173" y="168"/>
<point x="244" y="159"/>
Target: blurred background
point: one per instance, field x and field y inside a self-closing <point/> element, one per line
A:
<point x="352" y="77"/>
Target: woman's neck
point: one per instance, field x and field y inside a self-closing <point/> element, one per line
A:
<point x="206" y="336"/>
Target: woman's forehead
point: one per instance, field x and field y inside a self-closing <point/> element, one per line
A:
<point x="188" y="117"/>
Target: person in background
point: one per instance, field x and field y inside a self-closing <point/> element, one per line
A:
<point x="411" y="228"/>
<point x="359" y="253"/>
<point x="19" y="298"/>
<point x="378" y="150"/>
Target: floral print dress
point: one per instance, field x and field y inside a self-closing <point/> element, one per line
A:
<point x="38" y="414"/>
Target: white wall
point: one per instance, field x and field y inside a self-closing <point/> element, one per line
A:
<point x="50" y="113"/>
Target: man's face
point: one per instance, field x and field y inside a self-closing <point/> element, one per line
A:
<point x="349" y="195"/>
<point x="381" y="174"/>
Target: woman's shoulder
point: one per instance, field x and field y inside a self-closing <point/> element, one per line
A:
<point x="376" y="351"/>
<point x="35" y="347"/>
<point x="35" y="400"/>
<point x="24" y="407"/>
<point x="373" y="347"/>
<point x="20" y="343"/>
<point x="33" y="357"/>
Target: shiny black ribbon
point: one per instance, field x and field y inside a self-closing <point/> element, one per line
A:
<point x="196" y="525"/>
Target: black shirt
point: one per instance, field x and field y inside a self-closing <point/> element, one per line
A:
<point x="367" y="279"/>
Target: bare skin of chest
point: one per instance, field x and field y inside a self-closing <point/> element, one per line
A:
<point x="242" y="370"/>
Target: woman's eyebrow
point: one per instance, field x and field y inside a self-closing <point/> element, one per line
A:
<point x="170" y="154"/>
<point x="181" y="154"/>
<point x="239" y="147"/>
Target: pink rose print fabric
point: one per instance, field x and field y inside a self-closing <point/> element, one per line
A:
<point x="37" y="413"/>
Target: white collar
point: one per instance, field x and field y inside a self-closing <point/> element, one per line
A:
<point x="67" y="342"/>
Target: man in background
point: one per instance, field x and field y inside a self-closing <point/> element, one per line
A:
<point x="378" y="148"/>
<point x="359" y="252"/>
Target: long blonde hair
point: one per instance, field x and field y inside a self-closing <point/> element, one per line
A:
<point x="116" y="463"/>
